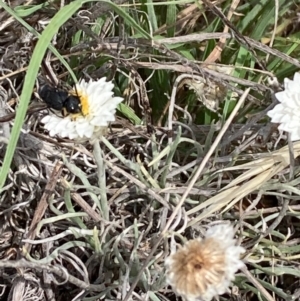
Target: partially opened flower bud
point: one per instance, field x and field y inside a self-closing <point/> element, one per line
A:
<point x="204" y="268"/>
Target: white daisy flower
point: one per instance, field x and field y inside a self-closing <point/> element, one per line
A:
<point x="204" y="268"/>
<point x="287" y="113"/>
<point x="98" y="108"/>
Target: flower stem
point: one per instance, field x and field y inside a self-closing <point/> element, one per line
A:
<point x="98" y="155"/>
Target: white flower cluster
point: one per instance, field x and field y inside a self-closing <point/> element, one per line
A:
<point x="98" y="109"/>
<point x="287" y="113"/>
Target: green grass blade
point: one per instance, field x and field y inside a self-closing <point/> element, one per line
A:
<point x="57" y="21"/>
<point x="152" y="15"/>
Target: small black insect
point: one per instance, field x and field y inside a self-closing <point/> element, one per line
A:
<point x="60" y="100"/>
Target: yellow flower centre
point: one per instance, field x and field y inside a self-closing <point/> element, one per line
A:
<point x="83" y="101"/>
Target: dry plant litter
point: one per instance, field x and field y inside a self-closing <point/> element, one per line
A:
<point x="191" y="145"/>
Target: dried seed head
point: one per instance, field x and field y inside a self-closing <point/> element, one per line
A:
<point x="202" y="269"/>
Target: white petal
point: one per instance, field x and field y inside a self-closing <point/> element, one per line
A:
<point x="101" y="110"/>
<point x="287" y="113"/>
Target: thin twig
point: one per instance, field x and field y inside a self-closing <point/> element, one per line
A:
<point x="257" y="284"/>
<point x="42" y="205"/>
<point x="86" y="207"/>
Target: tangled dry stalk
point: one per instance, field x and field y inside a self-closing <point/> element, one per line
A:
<point x="64" y="238"/>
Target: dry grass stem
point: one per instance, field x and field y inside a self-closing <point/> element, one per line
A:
<point x="190" y="146"/>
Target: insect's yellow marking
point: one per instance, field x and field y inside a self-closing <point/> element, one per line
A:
<point x="85" y="108"/>
<point x="84" y="103"/>
<point x="64" y="112"/>
<point x="75" y="116"/>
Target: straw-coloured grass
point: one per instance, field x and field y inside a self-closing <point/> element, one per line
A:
<point x="191" y="146"/>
